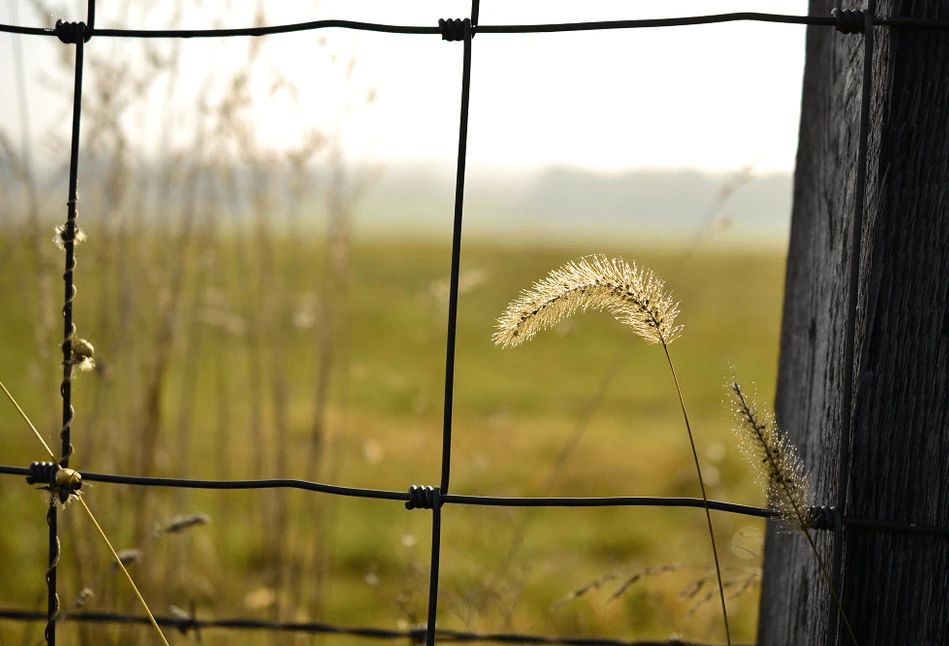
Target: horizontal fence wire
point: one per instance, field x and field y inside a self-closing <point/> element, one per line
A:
<point x="814" y="21"/>
<point x="848" y="22"/>
<point x="478" y="500"/>
<point x="415" y="635"/>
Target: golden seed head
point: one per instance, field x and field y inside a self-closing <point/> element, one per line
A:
<point x="634" y="296"/>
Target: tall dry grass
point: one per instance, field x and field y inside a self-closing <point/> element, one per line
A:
<point x="152" y="319"/>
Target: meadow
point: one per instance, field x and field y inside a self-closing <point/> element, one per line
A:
<point x="224" y="355"/>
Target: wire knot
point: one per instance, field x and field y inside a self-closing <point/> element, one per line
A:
<point x="418" y="633"/>
<point x="824" y="517"/>
<point x="849" y="21"/>
<point x="186" y="621"/>
<point x="453" y="29"/>
<point x="424" y="497"/>
<point x="71" y="32"/>
<point x="57" y="480"/>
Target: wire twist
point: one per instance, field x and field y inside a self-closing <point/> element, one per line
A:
<point x="825" y="517"/>
<point x="422" y="498"/>
<point x="187" y="621"/>
<point x="452" y="29"/>
<point x="849" y="21"/>
<point x="60" y="482"/>
<point x="69" y="238"/>
<point x="55" y="550"/>
<point x="71" y="32"/>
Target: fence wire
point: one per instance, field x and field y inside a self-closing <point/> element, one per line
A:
<point x="427" y="497"/>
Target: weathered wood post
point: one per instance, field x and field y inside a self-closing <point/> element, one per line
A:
<point x="876" y="441"/>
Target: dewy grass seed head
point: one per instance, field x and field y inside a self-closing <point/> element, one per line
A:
<point x="634" y="296"/>
<point x="773" y="457"/>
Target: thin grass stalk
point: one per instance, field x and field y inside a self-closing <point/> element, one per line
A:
<point x="23" y="164"/>
<point x="250" y="299"/>
<point x="163" y="346"/>
<point x="273" y="301"/>
<point x="334" y="298"/>
<point x="296" y="270"/>
<point x="194" y="338"/>
<point x="698" y="471"/>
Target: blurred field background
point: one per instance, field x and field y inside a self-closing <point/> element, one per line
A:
<point x="281" y="313"/>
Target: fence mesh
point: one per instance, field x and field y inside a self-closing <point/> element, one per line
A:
<point x="433" y="498"/>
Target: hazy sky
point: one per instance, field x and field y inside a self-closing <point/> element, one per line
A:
<point x="714" y="97"/>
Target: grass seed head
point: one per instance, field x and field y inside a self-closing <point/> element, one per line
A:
<point x="774" y="459"/>
<point x="634" y="296"/>
<point x="183" y="523"/>
<point x="85" y="596"/>
<point x="129" y="556"/>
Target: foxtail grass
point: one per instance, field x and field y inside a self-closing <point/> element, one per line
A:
<point x="634" y="296"/>
<point x="781" y="471"/>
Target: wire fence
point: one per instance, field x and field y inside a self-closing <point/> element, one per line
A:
<point x="434" y="498"/>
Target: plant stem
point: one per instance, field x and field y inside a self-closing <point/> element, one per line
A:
<point x="830" y="585"/>
<point x="698" y="470"/>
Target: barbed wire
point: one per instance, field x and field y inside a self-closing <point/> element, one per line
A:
<point x="434" y="498"/>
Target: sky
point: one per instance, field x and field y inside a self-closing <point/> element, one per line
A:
<point x="716" y="97"/>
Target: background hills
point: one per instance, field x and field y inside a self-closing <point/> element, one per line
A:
<point x="557" y="204"/>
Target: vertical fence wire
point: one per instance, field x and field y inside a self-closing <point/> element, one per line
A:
<point x="435" y="562"/>
<point x="466" y="36"/>
<point x="69" y="33"/>
<point x="856" y="242"/>
<point x="456" y="251"/>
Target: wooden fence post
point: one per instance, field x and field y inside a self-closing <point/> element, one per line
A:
<point x="895" y="466"/>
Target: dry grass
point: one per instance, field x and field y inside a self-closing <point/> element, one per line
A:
<point x="511" y="427"/>
<point x="236" y="339"/>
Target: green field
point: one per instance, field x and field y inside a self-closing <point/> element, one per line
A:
<point x="210" y="352"/>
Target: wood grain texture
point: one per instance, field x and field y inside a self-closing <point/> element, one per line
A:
<point x="895" y="587"/>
